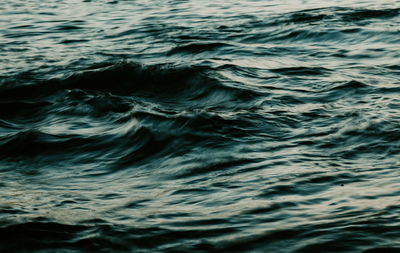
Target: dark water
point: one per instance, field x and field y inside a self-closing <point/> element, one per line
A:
<point x="199" y="126"/>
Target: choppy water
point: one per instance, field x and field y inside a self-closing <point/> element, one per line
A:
<point x="199" y="126"/>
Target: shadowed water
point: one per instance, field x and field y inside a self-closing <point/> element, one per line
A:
<point x="199" y="126"/>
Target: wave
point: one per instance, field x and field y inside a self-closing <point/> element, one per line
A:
<point x="162" y="82"/>
<point x="14" y="109"/>
<point x="33" y="143"/>
<point x="44" y="235"/>
<point x="301" y="71"/>
<point x="324" y="25"/>
<point x="337" y="14"/>
<point x="193" y="48"/>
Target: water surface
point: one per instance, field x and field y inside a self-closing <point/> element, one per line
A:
<point x="199" y="126"/>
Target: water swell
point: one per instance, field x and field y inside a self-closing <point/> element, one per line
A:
<point x="127" y="79"/>
<point x="339" y="14"/>
<point x="83" y="238"/>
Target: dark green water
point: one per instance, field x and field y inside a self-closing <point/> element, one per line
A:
<point x="199" y="126"/>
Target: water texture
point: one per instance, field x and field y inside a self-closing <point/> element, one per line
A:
<point x="199" y="126"/>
